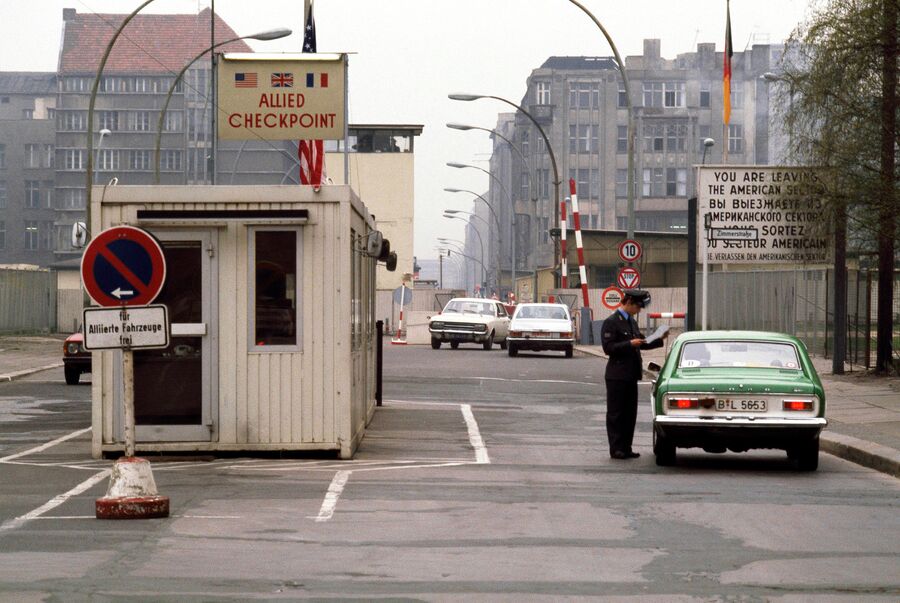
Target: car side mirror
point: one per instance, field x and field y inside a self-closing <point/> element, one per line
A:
<point x="652" y="366"/>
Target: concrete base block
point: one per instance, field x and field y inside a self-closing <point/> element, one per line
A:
<point x="132" y="492"/>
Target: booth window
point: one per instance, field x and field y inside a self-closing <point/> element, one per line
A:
<point x="275" y="288"/>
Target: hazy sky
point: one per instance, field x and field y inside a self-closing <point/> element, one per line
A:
<point x="412" y="53"/>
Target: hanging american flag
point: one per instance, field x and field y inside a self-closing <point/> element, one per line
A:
<point x="311" y="152"/>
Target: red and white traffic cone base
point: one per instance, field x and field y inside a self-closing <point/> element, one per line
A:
<point x="132" y="492"/>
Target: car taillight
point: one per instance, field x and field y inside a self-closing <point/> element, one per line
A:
<point x="565" y="334"/>
<point x="683" y="403"/>
<point x="515" y="333"/>
<point x="797" y="405"/>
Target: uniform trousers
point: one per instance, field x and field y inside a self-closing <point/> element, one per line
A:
<point x="621" y="413"/>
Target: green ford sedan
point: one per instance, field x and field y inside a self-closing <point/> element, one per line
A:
<point x="738" y="390"/>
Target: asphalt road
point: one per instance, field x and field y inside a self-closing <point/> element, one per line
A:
<point x="481" y="477"/>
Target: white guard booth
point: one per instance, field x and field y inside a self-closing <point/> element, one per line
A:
<point x="271" y="299"/>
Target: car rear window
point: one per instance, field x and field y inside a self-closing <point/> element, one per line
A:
<point x="470" y="307"/>
<point x="756" y="354"/>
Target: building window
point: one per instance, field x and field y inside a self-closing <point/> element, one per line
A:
<point x="108" y="159"/>
<point x="2" y="235"/>
<point x="703" y="131"/>
<point x="31" y="235"/>
<point x="73" y="159"/>
<point x="704" y="94"/>
<point x="47" y="153"/>
<point x="172" y="121"/>
<point x="583" y="138"/>
<point x="737" y="96"/>
<point x="653" y="94"/>
<point x="196" y="123"/>
<point x="76" y="84"/>
<point x="32" y="156"/>
<point x="46" y="235"/>
<point x="621" y="183"/>
<point x="735" y="138"/>
<point x="27" y="113"/>
<point x="664" y="94"/>
<point x="3" y="195"/>
<point x="140" y="160"/>
<point x="524" y="185"/>
<point x="73" y="121"/>
<point x="654" y="138"/>
<point x="47" y="190"/>
<point x="676" y="182"/>
<point x="524" y="141"/>
<point x="621" y="139"/>
<point x="676" y="135"/>
<point x="543" y="93"/>
<point x="674" y="94"/>
<point x="170" y="161"/>
<point x="622" y="99"/>
<point x="274" y="287"/>
<point x="32" y="194"/>
<point x="653" y="184"/>
<point x="73" y="198"/>
<point x="109" y="120"/>
<point x="142" y="84"/>
<point x="543" y="183"/>
<point x="584" y="95"/>
<point x="140" y="121"/>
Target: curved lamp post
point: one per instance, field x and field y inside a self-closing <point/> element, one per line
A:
<point x="556" y="180"/>
<point x="621" y="64"/>
<point x="521" y="155"/>
<point x="484" y="271"/>
<point x="493" y="215"/>
<point x="512" y="218"/>
<point x="459" y="246"/>
<point x="272" y="34"/>
<point x="89" y="171"/>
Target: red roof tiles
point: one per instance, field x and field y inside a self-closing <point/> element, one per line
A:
<point x="148" y="44"/>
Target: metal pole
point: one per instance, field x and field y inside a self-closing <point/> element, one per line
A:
<point x="128" y="377"/>
<point x="213" y="83"/>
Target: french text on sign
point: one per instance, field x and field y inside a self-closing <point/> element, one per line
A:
<point x="126" y="327"/>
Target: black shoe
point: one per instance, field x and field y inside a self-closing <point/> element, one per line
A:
<point x="632" y="455"/>
<point x="621" y="455"/>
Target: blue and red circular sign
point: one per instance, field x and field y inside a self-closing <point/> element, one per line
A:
<point x="123" y="266"/>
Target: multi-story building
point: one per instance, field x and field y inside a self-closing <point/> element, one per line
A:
<point x="27" y="199"/>
<point x="581" y="105"/>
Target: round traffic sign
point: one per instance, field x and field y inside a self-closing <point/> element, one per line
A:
<point x="629" y="250"/>
<point x="123" y="266"/>
<point x="611" y="297"/>
<point x="629" y="278"/>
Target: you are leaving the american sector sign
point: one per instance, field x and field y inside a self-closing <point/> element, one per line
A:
<point x="761" y="214"/>
<point x="281" y="97"/>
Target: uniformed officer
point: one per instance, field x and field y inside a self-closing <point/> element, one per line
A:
<point x="622" y="342"/>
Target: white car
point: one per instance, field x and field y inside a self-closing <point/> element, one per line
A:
<point x="470" y="320"/>
<point x="541" y="327"/>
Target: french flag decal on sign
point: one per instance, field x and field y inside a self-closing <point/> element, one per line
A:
<point x="311" y="80"/>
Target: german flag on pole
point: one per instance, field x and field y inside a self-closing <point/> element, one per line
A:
<point x="726" y="67"/>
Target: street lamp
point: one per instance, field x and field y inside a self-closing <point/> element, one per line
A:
<point x="521" y="155"/>
<point x="496" y="221"/>
<point x="556" y="180"/>
<point x="480" y="243"/>
<point x="621" y="65"/>
<point x="458" y="247"/>
<point x="707" y="143"/>
<point x="272" y="34"/>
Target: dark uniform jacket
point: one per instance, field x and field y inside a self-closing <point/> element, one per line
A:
<point x="624" y="360"/>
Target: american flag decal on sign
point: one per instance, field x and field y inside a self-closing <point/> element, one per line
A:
<point x="282" y="80"/>
<point x="245" y="80"/>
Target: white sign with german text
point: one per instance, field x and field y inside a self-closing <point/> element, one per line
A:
<point x="761" y="214"/>
<point x="281" y="97"/>
<point x="127" y="327"/>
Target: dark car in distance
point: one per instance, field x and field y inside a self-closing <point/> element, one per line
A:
<point x="76" y="360"/>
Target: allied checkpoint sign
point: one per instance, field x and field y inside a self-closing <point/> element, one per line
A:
<point x="281" y="96"/>
<point x="761" y="214"/>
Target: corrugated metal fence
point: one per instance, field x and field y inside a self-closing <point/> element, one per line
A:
<point x="27" y="300"/>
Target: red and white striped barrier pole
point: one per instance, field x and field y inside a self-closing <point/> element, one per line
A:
<point x="400" y="339"/>
<point x="563" y="258"/>
<point x="582" y="272"/>
<point x="666" y="314"/>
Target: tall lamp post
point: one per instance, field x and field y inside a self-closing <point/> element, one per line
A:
<point x="272" y="34"/>
<point x="465" y="265"/>
<point x="493" y="215"/>
<point x="621" y="64"/>
<point x="556" y="180"/>
<point x="459" y="247"/>
<point x="480" y="244"/>
<point x="692" y="247"/>
<point x="89" y="171"/>
<point x="103" y="134"/>
<point x="452" y="212"/>
<point x="518" y="151"/>
<point x="512" y="219"/>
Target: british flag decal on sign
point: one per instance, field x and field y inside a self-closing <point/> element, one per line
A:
<point x="282" y="80"/>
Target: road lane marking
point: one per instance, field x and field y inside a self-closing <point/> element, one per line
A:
<point x="334" y="493"/>
<point x="12" y="524"/>
<point x="43" y="447"/>
<point x="481" y="453"/>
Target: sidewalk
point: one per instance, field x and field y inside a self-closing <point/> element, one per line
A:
<point x="22" y="355"/>
<point x="863" y="413"/>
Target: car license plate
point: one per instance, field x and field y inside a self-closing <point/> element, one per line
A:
<point x="741" y="405"/>
<point x="541" y="335"/>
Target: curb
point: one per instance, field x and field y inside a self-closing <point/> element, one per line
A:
<point x="25" y="372"/>
<point x="868" y="454"/>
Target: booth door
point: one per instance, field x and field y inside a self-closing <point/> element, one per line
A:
<point x="173" y="387"/>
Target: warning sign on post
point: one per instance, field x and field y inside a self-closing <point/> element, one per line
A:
<point x="757" y="215"/>
<point x="274" y="97"/>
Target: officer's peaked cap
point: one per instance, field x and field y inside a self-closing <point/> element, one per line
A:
<point x="640" y="297"/>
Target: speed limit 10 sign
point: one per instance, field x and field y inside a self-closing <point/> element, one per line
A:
<point x="629" y="250"/>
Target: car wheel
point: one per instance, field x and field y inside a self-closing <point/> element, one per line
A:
<point x="806" y="457"/>
<point x="435" y="344"/>
<point x="663" y="449"/>
<point x="512" y="350"/>
<point x="504" y="344"/>
<point x="454" y="344"/>
<point x="570" y="351"/>
<point x="72" y="375"/>
<point x="489" y="342"/>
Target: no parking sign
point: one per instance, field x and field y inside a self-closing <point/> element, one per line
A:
<point x="123" y="266"/>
